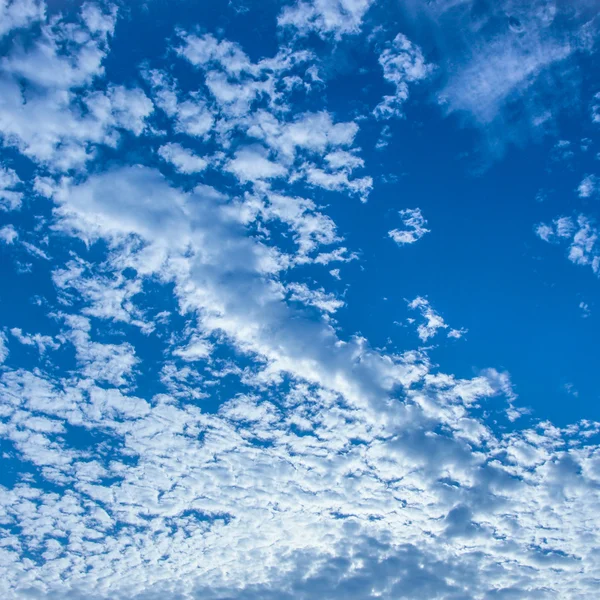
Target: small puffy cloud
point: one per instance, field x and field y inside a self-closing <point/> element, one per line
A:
<point x="589" y="186"/>
<point x="433" y="321"/>
<point x="403" y="63"/>
<point x="300" y="292"/>
<point x="3" y="347"/>
<point x="235" y="83"/>
<point x="182" y="159"/>
<point x="191" y="116"/>
<point x="581" y="235"/>
<point x="10" y="196"/>
<point x="595" y="108"/>
<point x="207" y="51"/>
<point x="325" y="17"/>
<point x="121" y="108"/>
<point x="339" y="181"/>
<point x="8" y="234"/>
<point x="197" y="349"/>
<point x="314" y="133"/>
<point x="414" y="227"/>
<point x="108" y="363"/>
<point x="42" y="342"/>
<point x="252" y="164"/>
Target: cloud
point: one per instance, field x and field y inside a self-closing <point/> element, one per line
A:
<point x="595" y="108"/>
<point x="589" y="186"/>
<point x="321" y="143"/>
<point x="579" y="233"/>
<point x="433" y="321"/>
<point x="509" y="68"/>
<point x="10" y="198"/>
<point x="325" y="17"/>
<point x="205" y="427"/>
<point x="18" y="14"/>
<point x="3" y="347"/>
<point x="191" y="116"/>
<point x="182" y="159"/>
<point x="414" y="222"/>
<point x="8" y="234"/>
<point x="232" y="268"/>
<point x="503" y="72"/>
<point x="42" y="342"/>
<point x="251" y="164"/>
<point x="48" y="110"/>
<point x="110" y="363"/>
<point x="235" y="83"/>
<point x="325" y="302"/>
<point x="402" y="63"/>
<point x="314" y="133"/>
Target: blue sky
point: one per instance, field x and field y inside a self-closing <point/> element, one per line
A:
<point x="299" y="299"/>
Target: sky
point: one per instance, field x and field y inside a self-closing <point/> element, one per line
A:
<point x="299" y="300"/>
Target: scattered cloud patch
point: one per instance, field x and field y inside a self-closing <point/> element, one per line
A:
<point x="581" y="236"/>
<point x="415" y="227"/>
<point x="325" y="17"/>
<point x="585" y="309"/>
<point x="8" y="234"/>
<point x="10" y="196"/>
<point x="433" y="321"/>
<point x="402" y="63"/>
<point x="182" y="159"/>
<point x="589" y="186"/>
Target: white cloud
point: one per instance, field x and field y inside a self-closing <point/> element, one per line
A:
<point x="42" y="342"/>
<point x="10" y="198"/>
<point x="267" y="453"/>
<point x="589" y="186"/>
<point x="196" y="349"/>
<point x="234" y="82"/>
<point x="595" y="108"/>
<point x="505" y="69"/>
<point x="585" y="309"/>
<point x="207" y="51"/>
<point x="321" y="141"/>
<point x="433" y="321"/>
<point x="61" y="118"/>
<point x="402" y="63"/>
<point x="325" y="17"/>
<point x="110" y="363"/>
<point x="8" y="234"/>
<point x="107" y="297"/>
<point x="312" y="132"/>
<point x="182" y="159"/>
<point x="252" y="164"/>
<point x="581" y="234"/>
<point x="339" y="181"/>
<point x="3" y="347"/>
<point x="15" y="14"/>
<point x="415" y="227"/>
<point x="328" y="303"/>
<point x="501" y="75"/>
<point x="192" y="116"/>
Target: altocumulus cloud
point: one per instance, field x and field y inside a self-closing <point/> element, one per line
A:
<point x="186" y="409"/>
